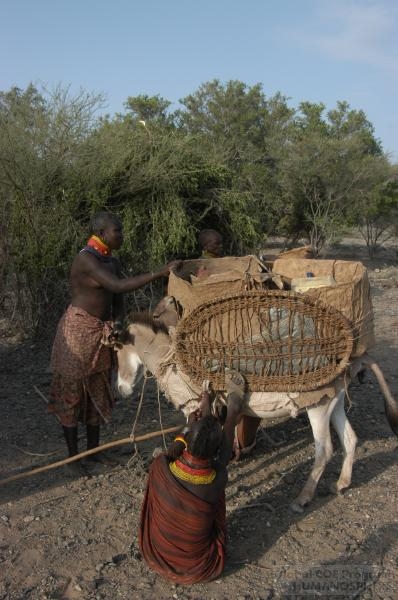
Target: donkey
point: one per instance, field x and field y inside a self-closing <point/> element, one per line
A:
<point x="146" y="345"/>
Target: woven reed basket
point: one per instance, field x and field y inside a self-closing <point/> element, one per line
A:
<point x="279" y="340"/>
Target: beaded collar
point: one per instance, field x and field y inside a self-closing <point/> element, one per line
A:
<point x="192" y="469"/>
<point x="99" y="245"/>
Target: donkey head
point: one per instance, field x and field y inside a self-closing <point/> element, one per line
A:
<point x="138" y="346"/>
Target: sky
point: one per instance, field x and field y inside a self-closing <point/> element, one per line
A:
<point x="309" y="50"/>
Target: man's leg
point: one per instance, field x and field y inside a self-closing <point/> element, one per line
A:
<point x="93" y="438"/>
<point x="74" y="469"/>
<point x="70" y="434"/>
<point x="246" y="431"/>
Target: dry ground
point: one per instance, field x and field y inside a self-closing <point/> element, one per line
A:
<point x="71" y="538"/>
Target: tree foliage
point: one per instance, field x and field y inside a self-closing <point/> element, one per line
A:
<point x="230" y="158"/>
<point x="324" y="169"/>
<point x="375" y="211"/>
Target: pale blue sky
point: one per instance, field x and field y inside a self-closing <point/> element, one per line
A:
<point x="315" y="50"/>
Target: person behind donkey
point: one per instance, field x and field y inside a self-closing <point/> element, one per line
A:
<point x="211" y="244"/>
<point x="182" y="528"/>
<point x="81" y="364"/>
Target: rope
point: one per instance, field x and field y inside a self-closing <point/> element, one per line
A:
<point x="138" y="413"/>
<point x="160" y="420"/>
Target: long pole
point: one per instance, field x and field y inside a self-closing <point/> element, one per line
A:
<point x="66" y="461"/>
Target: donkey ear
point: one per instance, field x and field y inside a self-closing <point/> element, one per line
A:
<point x="119" y="337"/>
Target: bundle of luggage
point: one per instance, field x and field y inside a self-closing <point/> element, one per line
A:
<point x="293" y="324"/>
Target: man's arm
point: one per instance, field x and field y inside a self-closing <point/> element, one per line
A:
<point x="118" y="305"/>
<point x="234" y="408"/>
<point x="112" y="283"/>
<point x="179" y="443"/>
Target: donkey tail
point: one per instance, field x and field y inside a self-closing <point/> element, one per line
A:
<point x="390" y="404"/>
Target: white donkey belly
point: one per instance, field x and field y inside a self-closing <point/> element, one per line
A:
<point x="183" y="394"/>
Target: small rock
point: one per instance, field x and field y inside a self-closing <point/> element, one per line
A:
<point x="118" y="558"/>
<point x="143" y="585"/>
<point x="99" y="567"/>
<point x="4" y="518"/>
<point x="78" y="588"/>
<point x="289" y="478"/>
<point x="28" y="519"/>
<point x="305" y="527"/>
<point x="243" y="488"/>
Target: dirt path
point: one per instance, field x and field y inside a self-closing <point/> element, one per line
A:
<point x="70" y="538"/>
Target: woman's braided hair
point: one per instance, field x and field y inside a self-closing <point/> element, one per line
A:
<point x="205" y="437"/>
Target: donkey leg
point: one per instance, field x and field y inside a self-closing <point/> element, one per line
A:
<point x="348" y="440"/>
<point x="319" y="417"/>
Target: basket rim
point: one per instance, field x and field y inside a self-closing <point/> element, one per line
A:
<point x="307" y="381"/>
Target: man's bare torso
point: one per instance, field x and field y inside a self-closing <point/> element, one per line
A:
<point x="86" y="291"/>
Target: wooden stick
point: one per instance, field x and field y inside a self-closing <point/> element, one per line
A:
<point x="254" y="505"/>
<point x="66" y="461"/>
<point x="42" y="396"/>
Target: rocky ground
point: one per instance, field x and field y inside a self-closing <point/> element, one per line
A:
<point x="74" y="538"/>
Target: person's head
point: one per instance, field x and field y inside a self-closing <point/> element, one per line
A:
<point x="108" y="227"/>
<point x="205" y="437"/>
<point x="211" y="242"/>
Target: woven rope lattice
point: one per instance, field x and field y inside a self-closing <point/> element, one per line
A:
<point x="281" y="341"/>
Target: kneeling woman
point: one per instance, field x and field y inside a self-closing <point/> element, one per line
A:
<point x="182" y="530"/>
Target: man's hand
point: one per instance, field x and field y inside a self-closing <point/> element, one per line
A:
<point x="174" y="265"/>
<point x="204" y="402"/>
<point x="194" y="416"/>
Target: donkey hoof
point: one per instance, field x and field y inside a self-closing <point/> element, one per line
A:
<point x="338" y="488"/>
<point x="296" y="507"/>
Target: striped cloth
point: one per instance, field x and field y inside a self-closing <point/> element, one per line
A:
<point x="181" y="536"/>
<point x="80" y="389"/>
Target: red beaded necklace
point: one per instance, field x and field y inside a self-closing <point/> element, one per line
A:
<point x="99" y="245"/>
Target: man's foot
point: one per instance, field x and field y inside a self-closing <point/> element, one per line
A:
<point x="74" y="470"/>
<point x="235" y="383"/>
<point x="102" y="458"/>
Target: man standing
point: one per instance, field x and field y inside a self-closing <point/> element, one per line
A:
<point x="80" y="362"/>
<point x="182" y="530"/>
